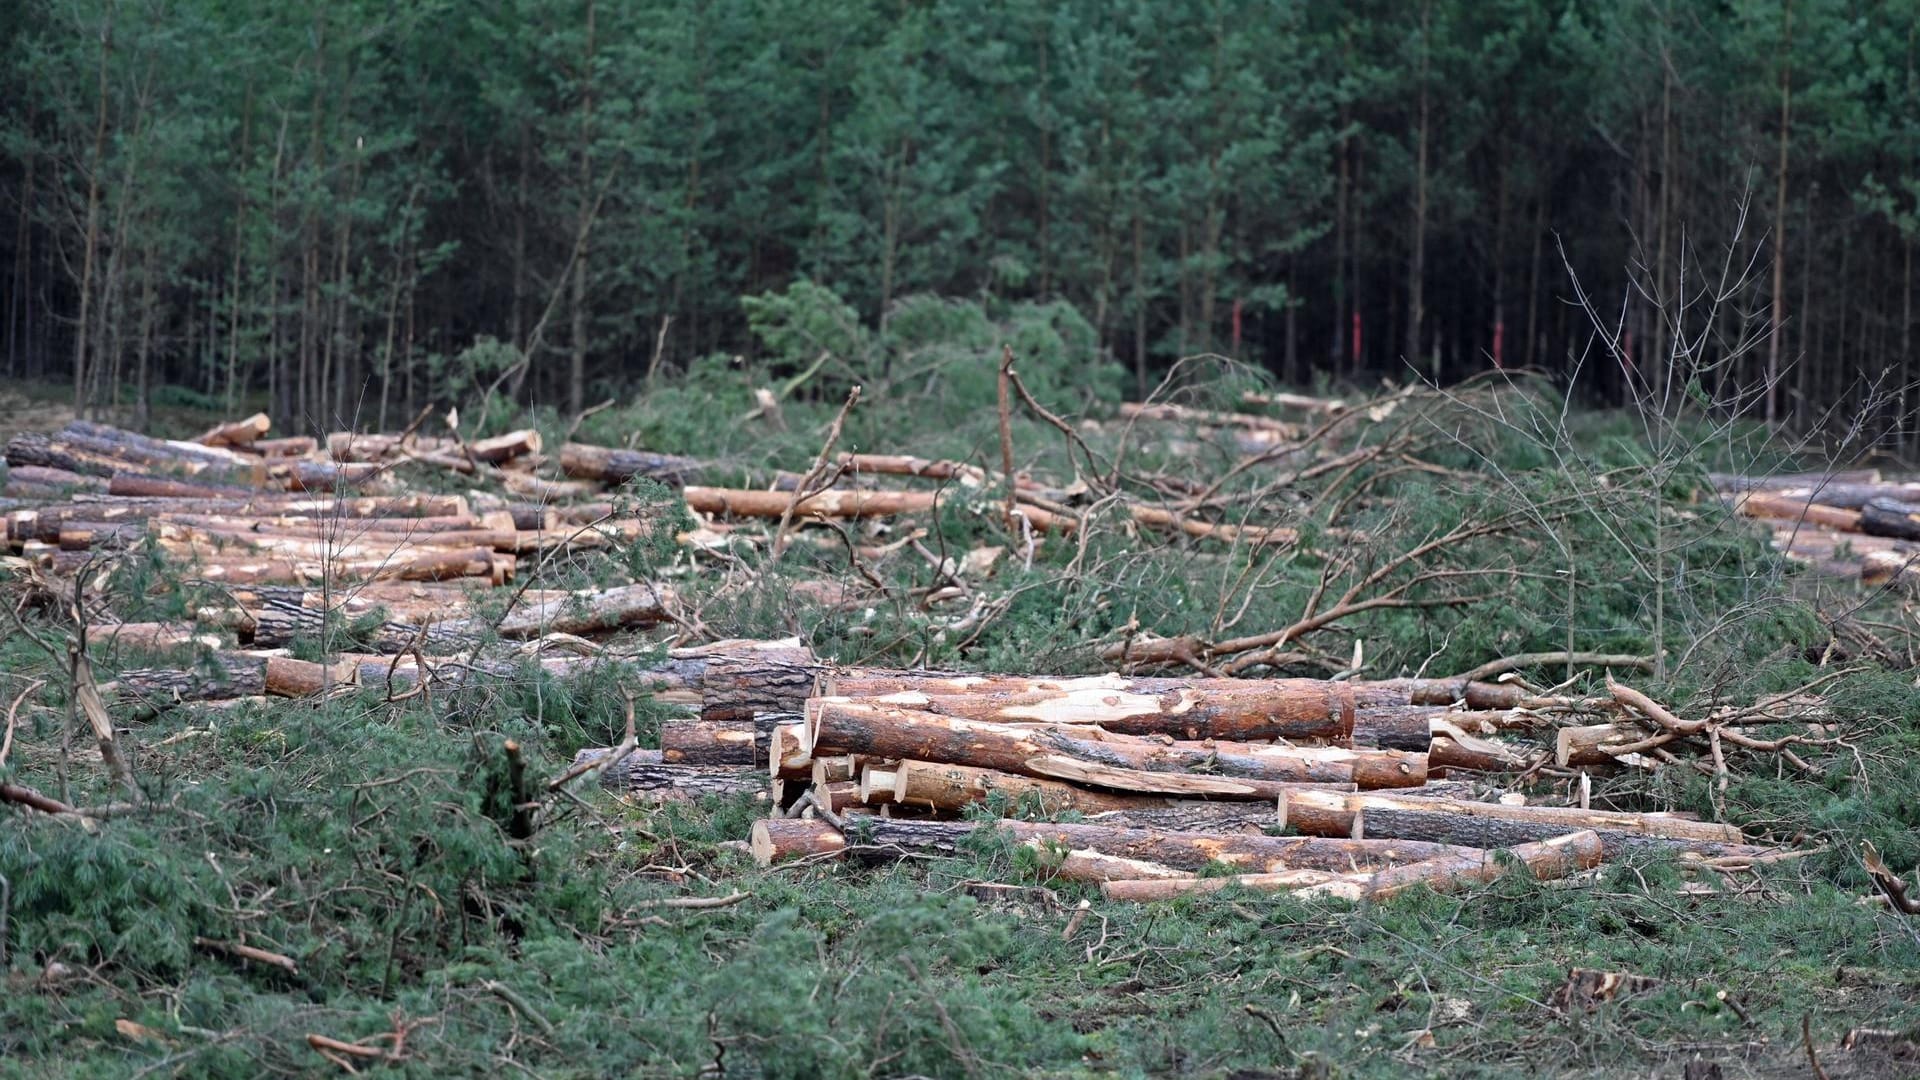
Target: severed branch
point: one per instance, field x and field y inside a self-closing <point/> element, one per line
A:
<point x="1891" y="885"/>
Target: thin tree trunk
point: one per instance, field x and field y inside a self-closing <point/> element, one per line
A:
<point x="577" y="369"/>
<point x="1780" y="212"/>
<point x="92" y="226"/>
<point x="1417" y="262"/>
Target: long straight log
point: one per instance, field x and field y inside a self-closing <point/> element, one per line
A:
<point x="1552" y="858"/>
<point x="717" y="742"/>
<point x="613" y="466"/>
<point x="1492" y="825"/>
<point x="642" y="772"/>
<point x="950" y="787"/>
<point x="848" y="727"/>
<point x="1771" y="507"/>
<point x="1192" y="709"/>
<point x="833" y="503"/>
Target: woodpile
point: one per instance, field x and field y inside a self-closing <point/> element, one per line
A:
<point x="1172" y="779"/>
<point x="1844" y="524"/>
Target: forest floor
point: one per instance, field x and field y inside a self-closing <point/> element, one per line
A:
<point x="362" y="836"/>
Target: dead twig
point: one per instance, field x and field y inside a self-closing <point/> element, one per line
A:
<point x="248" y="952"/>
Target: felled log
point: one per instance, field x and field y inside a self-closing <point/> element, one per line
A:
<point x="602" y="612"/>
<point x="832" y="503"/>
<point x="788" y="757"/>
<point x="612" y="466"/>
<point x="778" y="840"/>
<point x="1492" y="825"/>
<point x="718" y="742"/>
<point x="1887" y="517"/>
<point x="1545" y="860"/>
<point x="234" y="675"/>
<point x="1771" y="507"/>
<point x="1841" y="478"/>
<point x="1184" y="414"/>
<point x="1239" y="709"/>
<point x="325" y="476"/>
<point x="294" y="446"/>
<point x="845" y="726"/>
<point x="97" y="444"/>
<point x="1585" y="747"/>
<point x="149" y="635"/>
<point x="236" y="432"/>
<point x="643" y="773"/>
<point x="950" y="787"/>
<point x="40" y="480"/>
<point x="501" y="448"/>
<point x="752" y="682"/>
<point x="136" y="485"/>
<point x="1193" y="851"/>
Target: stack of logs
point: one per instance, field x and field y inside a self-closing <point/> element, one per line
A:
<point x="1849" y="524"/>
<point x="1382" y="783"/>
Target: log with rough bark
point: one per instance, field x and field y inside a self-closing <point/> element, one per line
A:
<point x="613" y="466"/>
<point x="1085" y="756"/>
<point x="43" y="482"/>
<point x="1771" y="507"/>
<point x="236" y="432"/>
<point x="1888" y="517"/>
<point x="1398" y="727"/>
<point x="1491" y="825"/>
<point x="223" y="675"/>
<point x="149" y="635"/>
<point x="778" y="840"/>
<point x="833" y="503"/>
<point x="1545" y="860"/>
<point x="760" y="681"/>
<point x="1586" y="746"/>
<point x="950" y="787"/>
<point x="719" y="742"/>
<point x="132" y="485"/>
<point x="643" y="773"/>
<point x="1238" y="709"/>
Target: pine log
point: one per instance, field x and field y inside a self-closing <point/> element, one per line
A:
<point x="1552" y="858"/>
<point x="1398" y="727"/>
<point x="1772" y="507"/>
<point x="223" y="675"/>
<point x="778" y="840"/>
<point x="1794" y="481"/>
<point x="325" y="476"/>
<point x="1887" y="517"/>
<point x="1184" y="414"/>
<point x="236" y="432"/>
<point x="642" y="772"/>
<point x="1349" y="885"/>
<point x="718" y="742"/>
<point x="506" y="447"/>
<point x="1191" y="851"/>
<point x="745" y="684"/>
<point x="951" y="787"/>
<point x="607" y="611"/>
<point x="1492" y="825"/>
<point x="1584" y="747"/>
<point x="848" y="727"/>
<point x="1192" y="709"/>
<point x="612" y="466"/>
<point x="1452" y="748"/>
<point x="787" y="755"/>
<point x="294" y="446"/>
<point x="732" y="502"/>
<point x="59" y="481"/>
<point x="287" y="677"/>
<point x="149" y="635"/>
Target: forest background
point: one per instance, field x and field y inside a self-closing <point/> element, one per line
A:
<point x="350" y="209"/>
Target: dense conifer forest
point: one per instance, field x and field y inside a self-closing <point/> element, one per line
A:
<point x="351" y="208"/>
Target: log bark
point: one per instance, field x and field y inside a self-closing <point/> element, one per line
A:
<point x="149" y="635"/>
<point x="732" y="502"/>
<point x="613" y="466"/>
<point x="644" y="773"/>
<point x="950" y="787"/>
<point x="50" y="480"/>
<point x="224" y="675"/>
<point x="735" y="686"/>
<point x="1772" y="507"/>
<point x="1095" y="758"/>
<point x="1398" y="727"/>
<point x="1886" y="517"/>
<point x="1492" y="825"/>
<point x="1584" y="747"/>
<point x="236" y="432"/>
<point x="718" y="742"/>
<point x="1556" y="857"/>
<point x="778" y="840"/>
<point x="1191" y="709"/>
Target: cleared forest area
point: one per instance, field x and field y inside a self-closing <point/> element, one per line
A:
<point x="927" y="730"/>
<point x="1232" y="540"/>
